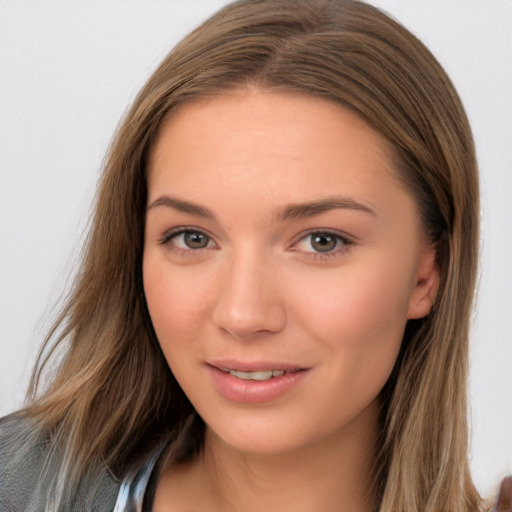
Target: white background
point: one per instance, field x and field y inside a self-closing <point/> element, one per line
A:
<point x="68" y="71"/>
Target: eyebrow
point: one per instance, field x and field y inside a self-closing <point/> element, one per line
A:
<point x="305" y="210"/>
<point x="289" y="212"/>
<point x="182" y="206"/>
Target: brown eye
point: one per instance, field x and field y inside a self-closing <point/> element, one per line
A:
<point x="323" y="242"/>
<point x="195" y="240"/>
<point x="187" y="240"/>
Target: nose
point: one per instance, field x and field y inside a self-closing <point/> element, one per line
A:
<point x="249" y="303"/>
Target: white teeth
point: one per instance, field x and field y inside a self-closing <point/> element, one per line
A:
<point x="264" y="375"/>
<point x="252" y="375"/>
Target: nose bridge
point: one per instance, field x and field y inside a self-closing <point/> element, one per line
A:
<point x="249" y="302"/>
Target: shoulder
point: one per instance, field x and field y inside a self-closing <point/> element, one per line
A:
<point x="20" y="465"/>
<point x="26" y="469"/>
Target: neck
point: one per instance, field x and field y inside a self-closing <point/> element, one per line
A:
<point x="320" y="477"/>
<point x="332" y="474"/>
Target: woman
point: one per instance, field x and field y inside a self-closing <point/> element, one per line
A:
<point x="277" y="286"/>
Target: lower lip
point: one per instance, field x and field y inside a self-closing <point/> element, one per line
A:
<point x="254" y="391"/>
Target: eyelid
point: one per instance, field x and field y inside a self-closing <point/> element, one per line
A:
<point x="346" y="242"/>
<point x="169" y="234"/>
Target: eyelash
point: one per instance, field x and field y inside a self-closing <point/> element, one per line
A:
<point x="168" y="236"/>
<point x="343" y="244"/>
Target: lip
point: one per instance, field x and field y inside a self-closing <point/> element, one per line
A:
<point x="254" y="391"/>
<point x="254" y="366"/>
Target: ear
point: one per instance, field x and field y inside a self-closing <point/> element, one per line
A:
<point x="427" y="283"/>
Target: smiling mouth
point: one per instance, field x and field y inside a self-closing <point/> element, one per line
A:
<point x="255" y="382"/>
<point x="259" y="375"/>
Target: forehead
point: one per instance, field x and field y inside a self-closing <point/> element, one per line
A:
<point x="263" y="145"/>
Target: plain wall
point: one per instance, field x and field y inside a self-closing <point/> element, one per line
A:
<point x="68" y="71"/>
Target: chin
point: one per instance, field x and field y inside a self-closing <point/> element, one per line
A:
<point x="268" y="432"/>
<point x="267" y="444"/>
<point x="267" y="435"/>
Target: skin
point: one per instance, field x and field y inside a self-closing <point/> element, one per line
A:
<point x="259" y="288"/>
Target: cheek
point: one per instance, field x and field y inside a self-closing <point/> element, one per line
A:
<point x="359" y="314"/>
<point x="373" y="299"/>
<point x="177" y="299"/>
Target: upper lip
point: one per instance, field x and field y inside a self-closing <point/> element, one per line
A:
<point x="254" y="366"/>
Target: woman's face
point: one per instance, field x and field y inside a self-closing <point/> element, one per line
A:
<point x="282" y="261"/>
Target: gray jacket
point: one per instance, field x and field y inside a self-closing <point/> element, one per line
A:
<point x="24" y="478"/>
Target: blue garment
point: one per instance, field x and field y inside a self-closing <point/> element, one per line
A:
<point x="133" y="487"/>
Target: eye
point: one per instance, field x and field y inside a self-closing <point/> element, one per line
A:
<point x="187" y="240"/>
<point x="322" y="242"/>
<point x="194" y="239"/>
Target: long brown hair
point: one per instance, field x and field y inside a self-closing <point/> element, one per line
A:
<point x="113" y="396"/>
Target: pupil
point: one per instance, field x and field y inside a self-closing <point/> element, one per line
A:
<point x="323" y="243"/>
<point x="195" y="240"/>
